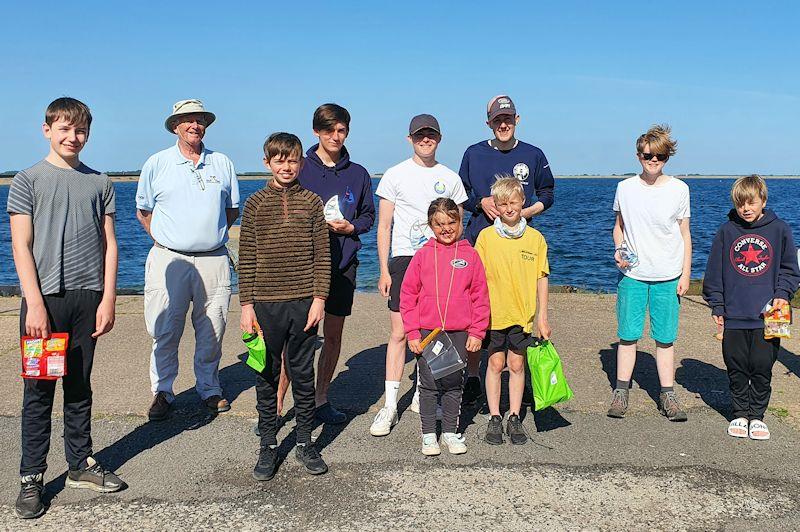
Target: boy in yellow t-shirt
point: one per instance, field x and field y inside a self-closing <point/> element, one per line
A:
<point x="515" y="258"/>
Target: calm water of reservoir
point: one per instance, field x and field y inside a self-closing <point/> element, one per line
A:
<point x="577" y="229"/>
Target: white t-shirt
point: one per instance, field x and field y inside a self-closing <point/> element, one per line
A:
<point x="650" y="215"/>
<point x="412" y="188"/>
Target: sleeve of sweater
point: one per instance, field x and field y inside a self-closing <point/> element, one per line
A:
<point x="365" y="216"/>
<point x="247" y="251"/>
<point x="712" y="282"/>
<point x="479" y="294"/>
<point x="472" y="200"/>
<point x="409" y="297"/>
<point x="322" y="250"/>
<point x="544" y="183"/>
<point x="789" y="270"/>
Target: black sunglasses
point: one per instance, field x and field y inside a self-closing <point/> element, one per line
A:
<point x="660" y="156"/>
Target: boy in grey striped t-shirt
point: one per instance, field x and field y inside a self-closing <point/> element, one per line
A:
<point x="65" y="252"/>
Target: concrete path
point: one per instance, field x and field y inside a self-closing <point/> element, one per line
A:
<point x="581" y="470"/>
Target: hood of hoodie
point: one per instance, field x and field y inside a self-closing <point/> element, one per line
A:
<point x="769" y="217"/>
<point x="341" y="164"/>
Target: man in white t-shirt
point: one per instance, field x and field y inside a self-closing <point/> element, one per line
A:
<point x="654" y="253"/>
<point x="406" y="191"/>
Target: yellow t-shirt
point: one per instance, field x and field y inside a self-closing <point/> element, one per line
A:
<point x="513" y="266"/>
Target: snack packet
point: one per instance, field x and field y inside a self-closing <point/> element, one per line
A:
<point x="44" y="359"/>
<point x="777" y="321"/>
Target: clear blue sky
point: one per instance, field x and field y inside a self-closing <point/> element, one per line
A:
<point x="587" y="77"/>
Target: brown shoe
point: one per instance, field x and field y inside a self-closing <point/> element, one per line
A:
<point x="160" y="407"/>
<point x="217" y="404"/>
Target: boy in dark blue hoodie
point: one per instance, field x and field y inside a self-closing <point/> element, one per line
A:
<point x="346" y="191"/>
<point x="752" y="263"/>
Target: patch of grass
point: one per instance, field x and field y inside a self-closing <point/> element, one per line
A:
<point x="778" y="411"/>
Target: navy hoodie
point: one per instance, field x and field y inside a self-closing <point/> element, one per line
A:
<point x="482" y="162"/>
<point x="749" y="265"/>
<point x="353" y="185"/>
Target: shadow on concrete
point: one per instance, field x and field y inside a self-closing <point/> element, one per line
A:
<point x="790" y="360"/>
<point x="645" y="372"/>
<point x="354" y="391"/>
<point x="707" y="381"/>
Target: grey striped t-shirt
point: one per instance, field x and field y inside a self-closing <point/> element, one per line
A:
<point x="67" y="207"/>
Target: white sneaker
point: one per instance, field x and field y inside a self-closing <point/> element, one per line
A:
<point x="454" y="442"/>
<point x="384" y="421"/>
<point x="430" y="447"/>
<point x="415" y="403"/>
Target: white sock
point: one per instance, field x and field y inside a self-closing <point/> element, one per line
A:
<point x="392" y="387"/>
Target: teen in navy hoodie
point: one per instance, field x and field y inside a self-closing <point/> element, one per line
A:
<point x="752" y="263"/>
<point x="335" y="176"/>
<point x="503" y="156"/>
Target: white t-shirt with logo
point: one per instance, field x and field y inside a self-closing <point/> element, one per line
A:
<point x="651" y="216"/>
<point x="412" y="188"/>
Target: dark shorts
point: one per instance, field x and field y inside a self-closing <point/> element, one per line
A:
<point x="397" y="270"/>
<point x="343" y="286"/>
<point x="513" y="338"/>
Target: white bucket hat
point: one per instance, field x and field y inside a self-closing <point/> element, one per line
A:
<point x="185" y="107"/>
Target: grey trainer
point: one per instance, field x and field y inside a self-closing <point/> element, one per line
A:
<point x="671" y="408"/>
<point x="619" y="403"/>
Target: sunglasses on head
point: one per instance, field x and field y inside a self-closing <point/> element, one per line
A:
<point x="660" y="156"/>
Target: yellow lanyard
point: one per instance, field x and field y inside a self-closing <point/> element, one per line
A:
<point x="436" y="276"/>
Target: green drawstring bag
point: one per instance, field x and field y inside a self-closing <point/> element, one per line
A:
<point x="547" y="378"/>
<point x="256" y="351"/>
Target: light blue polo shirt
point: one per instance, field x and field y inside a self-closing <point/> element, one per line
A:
<point x="188" y="202"/>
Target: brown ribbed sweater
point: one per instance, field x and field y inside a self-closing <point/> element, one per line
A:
<point x="284" y="253"/>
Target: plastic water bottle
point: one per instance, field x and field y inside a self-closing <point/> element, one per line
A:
<point x="628" y="255"/>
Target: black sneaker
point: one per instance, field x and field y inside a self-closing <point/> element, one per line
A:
<point x="159" y="408"/>
<point x="267" y="464"/>
<point x="515" y="431"/>
<point x="308" y="455"/>
<point x="472" y="391"/>
<point x="29" y="502"/>
<point x="494" y="431"/>
<point x="94" y="477"/>
<point x="327" y="414"/>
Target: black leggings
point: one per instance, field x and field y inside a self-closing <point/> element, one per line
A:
<point x="449" y="387"/>
<point x="749" y="358"/>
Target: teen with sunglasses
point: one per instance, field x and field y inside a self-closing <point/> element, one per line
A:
<point x="653" y="250"/>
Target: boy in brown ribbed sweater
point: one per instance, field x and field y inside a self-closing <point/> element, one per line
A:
<point x="284" y="276"/>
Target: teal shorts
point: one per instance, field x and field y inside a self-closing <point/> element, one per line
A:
<point x="633" y="299"/>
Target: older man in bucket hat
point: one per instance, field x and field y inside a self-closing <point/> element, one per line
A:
<point x="187" y="198"/>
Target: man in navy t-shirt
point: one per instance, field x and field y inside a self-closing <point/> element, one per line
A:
<point x="503" y="155"/>
<point x="483" y="162"/>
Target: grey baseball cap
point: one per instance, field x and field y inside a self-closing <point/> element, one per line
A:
<point x="423" y="122"/>
<point x="500" y="105"/>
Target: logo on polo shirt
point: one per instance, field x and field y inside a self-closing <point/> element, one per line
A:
<point x="459" y="263"/>
<point x="212" y="179"/>
<point x="439" y="187"/>
<point x="521" y="172"/>
<point x="751" y="255"/>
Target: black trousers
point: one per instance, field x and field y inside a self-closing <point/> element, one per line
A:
<point x="450" y="387"/>
<point x="749" y="358"/>
<point x="283" y="323"/>
<point x="73" y="312"/>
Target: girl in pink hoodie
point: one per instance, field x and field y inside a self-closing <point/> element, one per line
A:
<point x="444" y="287"/>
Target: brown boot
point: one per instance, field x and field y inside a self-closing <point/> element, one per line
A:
<point x="160" y="407"/>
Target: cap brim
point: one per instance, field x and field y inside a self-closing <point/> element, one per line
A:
<point x="494" y="115"/>
<point x="424" y="127"/>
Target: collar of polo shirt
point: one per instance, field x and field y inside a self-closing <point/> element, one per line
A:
<point x="181" y="159"/>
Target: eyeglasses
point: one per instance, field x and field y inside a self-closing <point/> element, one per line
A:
<point x="660" y="156"/>
<point x="199" y="178"/>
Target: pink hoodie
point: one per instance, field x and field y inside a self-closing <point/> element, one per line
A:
<point x="469" y="298"/>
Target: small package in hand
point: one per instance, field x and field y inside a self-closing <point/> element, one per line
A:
<point x="332" y="211"/>
<point x="44" y="358"/>
<point x="777" y="321"/>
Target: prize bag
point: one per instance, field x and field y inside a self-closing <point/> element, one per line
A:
<point x="777" y="321"/>
<point x="44" y="359"/>
<point x="547" y="377"/>
<point x="256" y="349"/>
